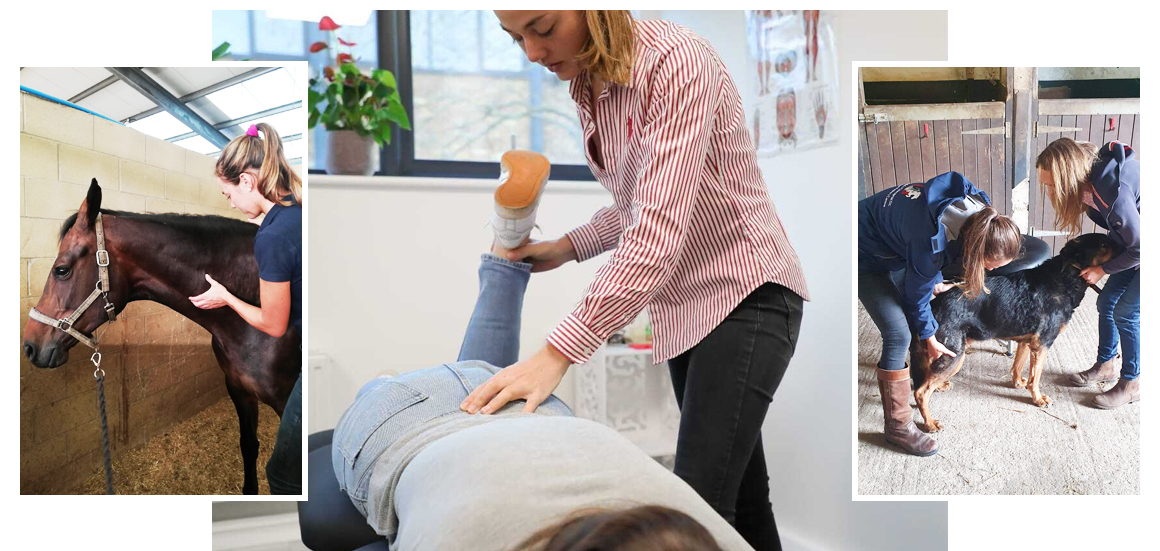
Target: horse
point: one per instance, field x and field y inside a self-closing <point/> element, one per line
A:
<point x="164" y="258"/>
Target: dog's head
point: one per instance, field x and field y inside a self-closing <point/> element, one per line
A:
<point x="1089" y="249"/>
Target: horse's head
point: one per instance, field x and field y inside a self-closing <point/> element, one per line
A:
<point x="73" y="277"/>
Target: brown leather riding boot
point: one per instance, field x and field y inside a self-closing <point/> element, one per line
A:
<point x="900" y="429"/>
<point x="1098" y="373"/>
<point x="1125" y="392"/>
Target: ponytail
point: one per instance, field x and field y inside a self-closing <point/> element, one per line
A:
<point x="260" y="151"/>
<point x="987" y="235"/>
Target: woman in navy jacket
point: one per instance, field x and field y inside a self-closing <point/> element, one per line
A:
<point x="1105" y="184"/>
<point x="907" y="235"/>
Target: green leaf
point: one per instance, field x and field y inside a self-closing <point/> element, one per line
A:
<point x="314" y="116"/>
<point x="384" y="76"/>
<point x="221" y="51"/>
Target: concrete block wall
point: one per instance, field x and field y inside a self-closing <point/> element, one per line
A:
<point x="159" y="367"/>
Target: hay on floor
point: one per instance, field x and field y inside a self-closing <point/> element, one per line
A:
<point x="198" y="456"/>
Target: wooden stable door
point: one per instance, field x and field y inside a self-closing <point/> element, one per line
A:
<point x="904" y="144"/>
<point x="1098" y="121"/>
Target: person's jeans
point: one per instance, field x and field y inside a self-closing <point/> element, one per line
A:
<point x="878" y="292"/>
<point x="284" y="469"/>
<point x="1118" y="306"/>
<point x="387" y="408"/>
<point x="724" y="386"/>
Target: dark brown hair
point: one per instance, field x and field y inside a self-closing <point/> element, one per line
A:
<point x="987" y="235"/>
<point x="641" y="528"/>
<point x="264" y="154"/>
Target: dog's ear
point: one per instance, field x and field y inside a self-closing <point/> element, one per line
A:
<point x="87" y="215"/>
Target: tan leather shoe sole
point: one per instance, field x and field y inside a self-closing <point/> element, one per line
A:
<point x="527" y="172"/>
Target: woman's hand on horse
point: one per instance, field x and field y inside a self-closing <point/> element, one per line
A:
<point x="215" y="297"/>
<point x="544" y="255"/>
<point x="934" y="349"/>
<point x="1093" y="275"/>
<point x="533" y="380"/>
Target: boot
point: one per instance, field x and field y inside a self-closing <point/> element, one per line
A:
<point x="894" y="386"/>
<point x="1098" y="373"/>
<point x="1125" y="392"/>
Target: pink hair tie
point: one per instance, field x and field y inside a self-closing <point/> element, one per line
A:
<point x="252" y="131"/>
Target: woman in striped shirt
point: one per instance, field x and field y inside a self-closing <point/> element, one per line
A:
<point x="694" y="236"/>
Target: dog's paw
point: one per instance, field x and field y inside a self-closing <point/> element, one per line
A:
<point x="945" y="386"/>
<point x="933" y="425"/>
<point x="1020" y="382"/>
<point x="1043" y="401"/>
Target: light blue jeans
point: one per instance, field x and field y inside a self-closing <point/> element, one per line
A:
<point x="388" y="407"/>
<point x="1119" y="311"/>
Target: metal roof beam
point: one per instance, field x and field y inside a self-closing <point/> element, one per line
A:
<point x="145" y="85"/>
<point x="208" y="90"/>
<point x="94" y="89"/>
<point x="240" y="120"/>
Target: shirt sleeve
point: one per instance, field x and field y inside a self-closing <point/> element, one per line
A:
<point x="600" y="234"/>
<point x="275" y="258"/>
<point x="1129" y="231"/>
<point x="922" y="273"/>
<point x="676" y="134"/>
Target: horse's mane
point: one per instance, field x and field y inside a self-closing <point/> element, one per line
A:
<point x="199" y="227"/>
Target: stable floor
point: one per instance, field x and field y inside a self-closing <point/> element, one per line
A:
<point x="994" y="440"/>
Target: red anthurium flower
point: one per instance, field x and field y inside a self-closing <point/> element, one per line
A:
<point x="345" y="43"/>
<point x="318" y="47"/>
<point x="329" y="72"/>
<point x="344" y="58"/>
<point x="327" y="24"/>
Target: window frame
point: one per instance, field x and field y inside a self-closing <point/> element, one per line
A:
<point x="398" y="157"/>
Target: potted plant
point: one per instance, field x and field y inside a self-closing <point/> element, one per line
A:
<point x="358" y="110"/>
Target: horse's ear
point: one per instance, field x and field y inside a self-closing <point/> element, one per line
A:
<point x="87" y="215"/>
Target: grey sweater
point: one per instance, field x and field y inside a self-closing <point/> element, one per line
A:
<point x="488" y="482"/>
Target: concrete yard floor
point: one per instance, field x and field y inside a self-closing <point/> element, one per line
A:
<point x="994" y="440"/>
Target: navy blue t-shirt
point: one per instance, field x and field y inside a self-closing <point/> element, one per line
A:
<point x="278" y="247"/>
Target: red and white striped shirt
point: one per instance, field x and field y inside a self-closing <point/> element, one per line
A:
<point x="692" y="222"/>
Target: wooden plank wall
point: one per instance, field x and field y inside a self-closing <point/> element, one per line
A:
<point x="1093" y="128"/>
<point x="899" y="153"/>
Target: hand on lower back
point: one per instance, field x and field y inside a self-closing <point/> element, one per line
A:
<point x="533" y="380"/>
<point x="544" y="255"/>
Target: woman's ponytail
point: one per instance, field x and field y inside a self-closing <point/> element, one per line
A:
<point x="260" y="150"/>
<point x="987" y="235"/>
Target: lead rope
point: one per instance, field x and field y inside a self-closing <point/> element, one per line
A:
<point x="100" y="375"/>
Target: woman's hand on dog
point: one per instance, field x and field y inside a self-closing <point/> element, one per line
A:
<point x="533" y="380"/>
<point x="1093" y="274"/>
<point x="934" y="349"/>
<point x="940" y="288"/>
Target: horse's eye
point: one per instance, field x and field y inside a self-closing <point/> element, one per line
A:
<point x="61" y="272"/>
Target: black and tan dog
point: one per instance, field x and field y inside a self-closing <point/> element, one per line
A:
<point x="1030" y="307"/>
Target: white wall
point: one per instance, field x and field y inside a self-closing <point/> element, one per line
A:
<point x="392" y="280"/>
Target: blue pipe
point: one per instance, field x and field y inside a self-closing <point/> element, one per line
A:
<point x="64" y="102"/>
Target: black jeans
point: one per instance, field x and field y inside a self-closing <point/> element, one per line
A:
<point x="284" y="469"/>
<point x="724" y="386"/>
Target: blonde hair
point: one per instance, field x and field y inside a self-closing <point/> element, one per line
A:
<point x="611" y="45"/>
<point x="1070" y="164"/>
<point x="264" y="154"/>
<point x="987" y="235"/>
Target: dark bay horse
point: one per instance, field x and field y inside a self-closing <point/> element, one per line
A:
<point x="164" y="258"/>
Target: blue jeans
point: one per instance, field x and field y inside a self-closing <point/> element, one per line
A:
<point x="388" y="407"/>
<point x="878" y="292"/>
<point x="284" y="469"/>
<point x="1119" y="310"/>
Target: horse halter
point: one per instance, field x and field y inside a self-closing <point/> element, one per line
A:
<point x="101" y="290"/>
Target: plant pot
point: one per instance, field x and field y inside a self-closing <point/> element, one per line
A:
<point x="350" y="154"/>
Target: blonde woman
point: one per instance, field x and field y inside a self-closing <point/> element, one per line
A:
<point x="253" y="173"/>
<point x="694" y="238"/>
<point x="1105" y="184"/>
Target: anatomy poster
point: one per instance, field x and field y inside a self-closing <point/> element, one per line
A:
<point x="791" y="54"/>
